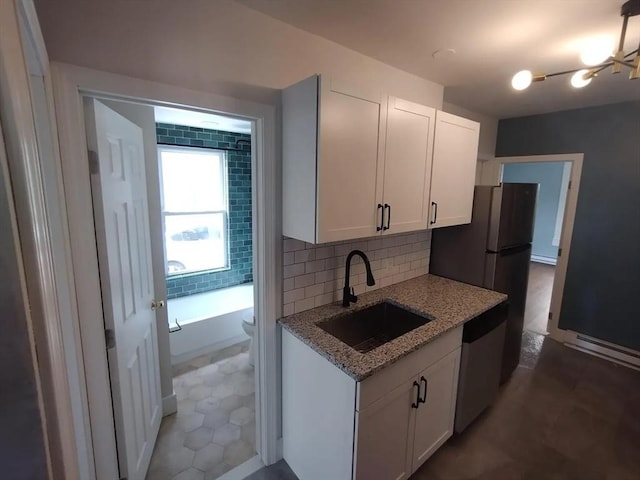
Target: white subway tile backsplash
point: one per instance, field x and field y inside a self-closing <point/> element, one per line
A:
<point x="314" y="275"/>
<point x="324" y="299"/>
<point x="294" y="295"/>
<point x="293" y="270"/>
<point x="291" y="245"/>
<point x="302" y="305"/>
<point x="288" y="258"/>
<point x="288" y="284"/>
<point x="303" y="256"/>
<point x="324" y="252"/>
<point x="314" y="290"/>
<point x="315" y="266"/>
<point x="305" y="280"/>
<point x="288" y="309"/>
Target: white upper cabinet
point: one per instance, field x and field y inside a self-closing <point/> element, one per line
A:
<point x="350" y="157"/>
<point x="453" y="173"/>
<point x="358" y="163"/>
<point x="407" y="166"/>
<point x="332" y="157"/>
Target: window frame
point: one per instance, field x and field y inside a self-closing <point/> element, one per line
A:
<point x="225" y="213"/>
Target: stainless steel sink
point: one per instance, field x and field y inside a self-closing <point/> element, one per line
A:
<point x="372" y="327"/>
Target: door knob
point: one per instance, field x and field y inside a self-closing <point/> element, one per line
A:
<point x="156" y="304"/>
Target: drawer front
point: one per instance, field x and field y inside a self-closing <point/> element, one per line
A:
<point x="377" y="385"/>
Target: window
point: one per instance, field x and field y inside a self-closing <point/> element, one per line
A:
<point x="194" y="209"/>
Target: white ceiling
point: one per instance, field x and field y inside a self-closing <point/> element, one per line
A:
<point x="210" y="121"/>
<point x="493" y="39"/>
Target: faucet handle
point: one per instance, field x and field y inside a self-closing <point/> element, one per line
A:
<point x="352" y="294"/>
<point x="348" y="296"/>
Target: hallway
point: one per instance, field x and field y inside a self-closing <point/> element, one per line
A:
<point x="538" y="297"/>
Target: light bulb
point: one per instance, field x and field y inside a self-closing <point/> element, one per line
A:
<point x="521" y="80"/>
<point x="578" y="79"/>
<point x="596" y="51"/>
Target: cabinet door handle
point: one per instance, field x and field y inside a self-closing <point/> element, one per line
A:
<point x="387" y="206"/>
<point x="417" y="402"/>
<point x="388" y="216"/>
<point x="435" y="213"/>
<point x="424" y="396"/>
<point x="379" y="227"/>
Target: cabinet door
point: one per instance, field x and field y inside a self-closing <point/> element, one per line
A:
<point x="407" y="165"/>
<point x="384" y="433"/>
<point x="455" y="153"/>
<point x="350" y="150"/>
<point x="434" y="417"/>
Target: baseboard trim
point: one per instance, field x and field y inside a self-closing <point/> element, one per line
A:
<point x="545" y="260"/>
<point x="606" y="350"/>
<point x="169" y="405"/>
<point x="280" y="449"/>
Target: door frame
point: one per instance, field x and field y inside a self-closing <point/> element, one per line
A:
<point x="41" y="219"/>
<point x="491" y="174"/>
<point x="71" y="84"/>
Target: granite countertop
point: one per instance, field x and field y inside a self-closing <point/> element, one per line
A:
<point x="448" y="302"/>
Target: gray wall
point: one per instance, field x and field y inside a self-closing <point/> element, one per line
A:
<point x="549" y="176"/>
<point x="602" y="289"/>
<point x="22" y="454"/>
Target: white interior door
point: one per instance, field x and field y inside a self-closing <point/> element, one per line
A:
<point x="124" y="250"/>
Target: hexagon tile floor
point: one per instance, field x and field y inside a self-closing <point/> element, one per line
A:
<point x="214" y="429"/>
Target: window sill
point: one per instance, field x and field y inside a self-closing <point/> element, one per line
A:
<point x="199" y="272"/>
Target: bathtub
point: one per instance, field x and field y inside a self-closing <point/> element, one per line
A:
<point x="208" y="321"/>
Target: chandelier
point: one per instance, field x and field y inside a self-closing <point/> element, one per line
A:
<point x="596" y="61"/>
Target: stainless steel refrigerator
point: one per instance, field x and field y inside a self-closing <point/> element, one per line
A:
<point x="493" y="252"/>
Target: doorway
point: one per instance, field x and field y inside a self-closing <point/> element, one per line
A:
<point x="201" y="262"/>
<point x="559" y="180"/>
<point x="553" y="185"/>
<point x="75" y="83"/>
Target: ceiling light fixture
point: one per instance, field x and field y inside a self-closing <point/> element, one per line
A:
<point x="598" y="59"/>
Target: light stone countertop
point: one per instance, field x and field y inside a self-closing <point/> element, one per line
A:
<point x="448" y="302"/>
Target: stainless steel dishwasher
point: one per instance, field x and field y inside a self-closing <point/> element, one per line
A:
<point x="480" y="364"/>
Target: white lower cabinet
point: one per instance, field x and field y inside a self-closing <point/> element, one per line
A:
<point x="384" y="427"/>
<point x="384" y="436"/>
<point x="435" y="416"/>
<point x="400" y="431"/>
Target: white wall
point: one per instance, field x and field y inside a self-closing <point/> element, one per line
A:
<point x="214" y="46"/>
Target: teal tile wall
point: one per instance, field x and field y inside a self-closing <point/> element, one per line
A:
<point x="240" y="235"/>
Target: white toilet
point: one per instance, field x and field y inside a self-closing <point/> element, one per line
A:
<point x="248" y="324"/>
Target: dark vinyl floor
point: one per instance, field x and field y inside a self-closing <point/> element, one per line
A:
<point x="564" y="415"/>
